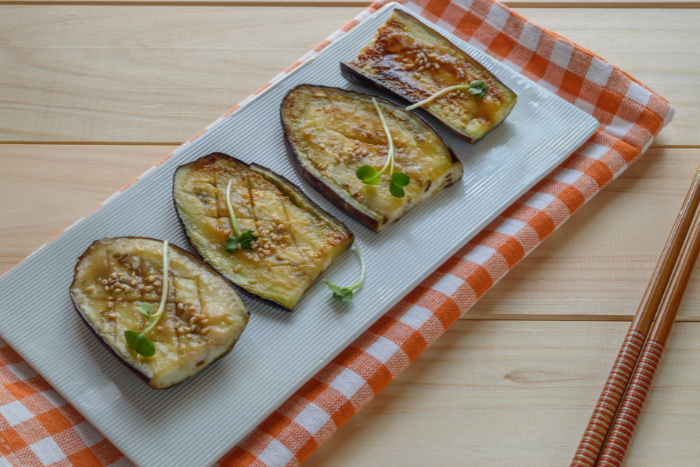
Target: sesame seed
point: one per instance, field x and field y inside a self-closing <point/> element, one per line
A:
<point x="156" y="284"/>
<point x="148" y="288"/>
<point x="160" y="328"/>
<point x="120" y="275"/>
<point x="126" y="288"/>
<point x="150" y="278"/>
<point x="205" y="321"/>
<point x="90" y="289"/>
<point x="239" y="246"/>
<point x="120" y="299"/>
<point x="133" y="282"/>
<point x="205" y="330"/>
<point x="104" y="281"/>
<point x="255" y="234"/>
<point x="117" y="290"/>
<point x="189" y="336"/>
<point x="110" y="298"/>
<point x="436" y="66"/>
<point x="110" y="305"/>
<point x="192" y="309"/>
<point x="191" y="321"/>
<point x="180" y="306"/>
<point x="237" y="268"/>
<point x="113" y="275"/>
<point x="252" y="281"/>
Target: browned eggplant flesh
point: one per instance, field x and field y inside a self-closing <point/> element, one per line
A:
<point x="414" y="62"/>
<point x="332" y="132"/>
<point x="202" y="320"/>
<point x="295" y="240"/>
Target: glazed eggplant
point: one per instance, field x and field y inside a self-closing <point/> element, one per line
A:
<point x="331" y="132"/>
<point x="202" y="320"/>
<point x="414" y="62"/>
<point x="295" y="239"/>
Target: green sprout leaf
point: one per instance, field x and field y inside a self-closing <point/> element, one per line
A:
<point x="231" y="244"/>
<point x="146" y="310"/>
<point x="396" y="190"/>
<point x="475" y="88"/>
<point x="244" y="240"/>
<point x="369" y="174"/>
<point x="398" y="181"/>
<point x="345" y="294"/>
<point x="141" y="344"/>
<point x="138" y="340"/>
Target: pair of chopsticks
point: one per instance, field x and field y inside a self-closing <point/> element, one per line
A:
<point x="612" y="424"/>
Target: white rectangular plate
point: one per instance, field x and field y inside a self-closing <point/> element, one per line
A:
<point x="198" y="422"/>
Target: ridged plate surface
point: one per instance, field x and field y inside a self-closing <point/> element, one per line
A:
<point x="194" y="424"/>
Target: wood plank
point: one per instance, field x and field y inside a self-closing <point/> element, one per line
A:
<point x="166" y="82"/>
<point x="600" y="261"/>
<point x="504" y="394"/>
<point x="45" y="189"/>
<point x="596" y="266"/>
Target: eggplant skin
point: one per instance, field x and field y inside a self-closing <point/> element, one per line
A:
<point x="303" y="240"/>
<point x="395" y="61"/>
<point x="331" y="132"/>
<point x="219" y="313"/>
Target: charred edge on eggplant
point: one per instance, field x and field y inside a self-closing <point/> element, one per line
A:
<point x="283" y="185"/>
<point x="375" y="221"/>
<point x="386" y="65"/>
<point x="201" y="365"/>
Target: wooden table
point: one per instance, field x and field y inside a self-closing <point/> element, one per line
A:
<point x="92" y="93"/>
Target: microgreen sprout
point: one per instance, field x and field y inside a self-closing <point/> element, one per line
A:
<point x="138" y="340"/>
<point x="238" y="239"/>
<point x="370" y="176"/>
<point x="475" y="88"/>
<point x="344" y="294"/>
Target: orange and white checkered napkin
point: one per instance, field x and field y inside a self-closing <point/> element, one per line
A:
<point x="38" y="427"/>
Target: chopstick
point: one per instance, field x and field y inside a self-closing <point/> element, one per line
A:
<point x="604" y="413"/>
<point x="621" y="432"/>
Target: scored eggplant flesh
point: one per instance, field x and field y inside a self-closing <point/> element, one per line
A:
<point x="203" y="319"/>
<point x="296" y="239"/>
<point x="331" y="132"/>
<point x="414" y="62"/>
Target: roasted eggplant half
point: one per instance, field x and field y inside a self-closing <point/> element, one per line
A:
<point x="203" y="316"/>
<point x="331" y="132"/>
<point x="414" y="62"/>
<point x="295" y="240"/>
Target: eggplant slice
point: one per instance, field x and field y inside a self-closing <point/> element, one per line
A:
<point x="303" y="239"/>
<point x="414" y="62"/>
<point x="332" y="132"/>
<point x="203" y="319"/>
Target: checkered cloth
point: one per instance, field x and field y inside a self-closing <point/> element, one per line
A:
<point x="39" y="428"/>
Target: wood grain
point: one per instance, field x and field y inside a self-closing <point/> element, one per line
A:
<point x="161" y="74"/>
<point x="600" y="261"/>
<point x="596" y="266"/>
<point x="45" y="189"/>
<point x="505" y="394"/>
